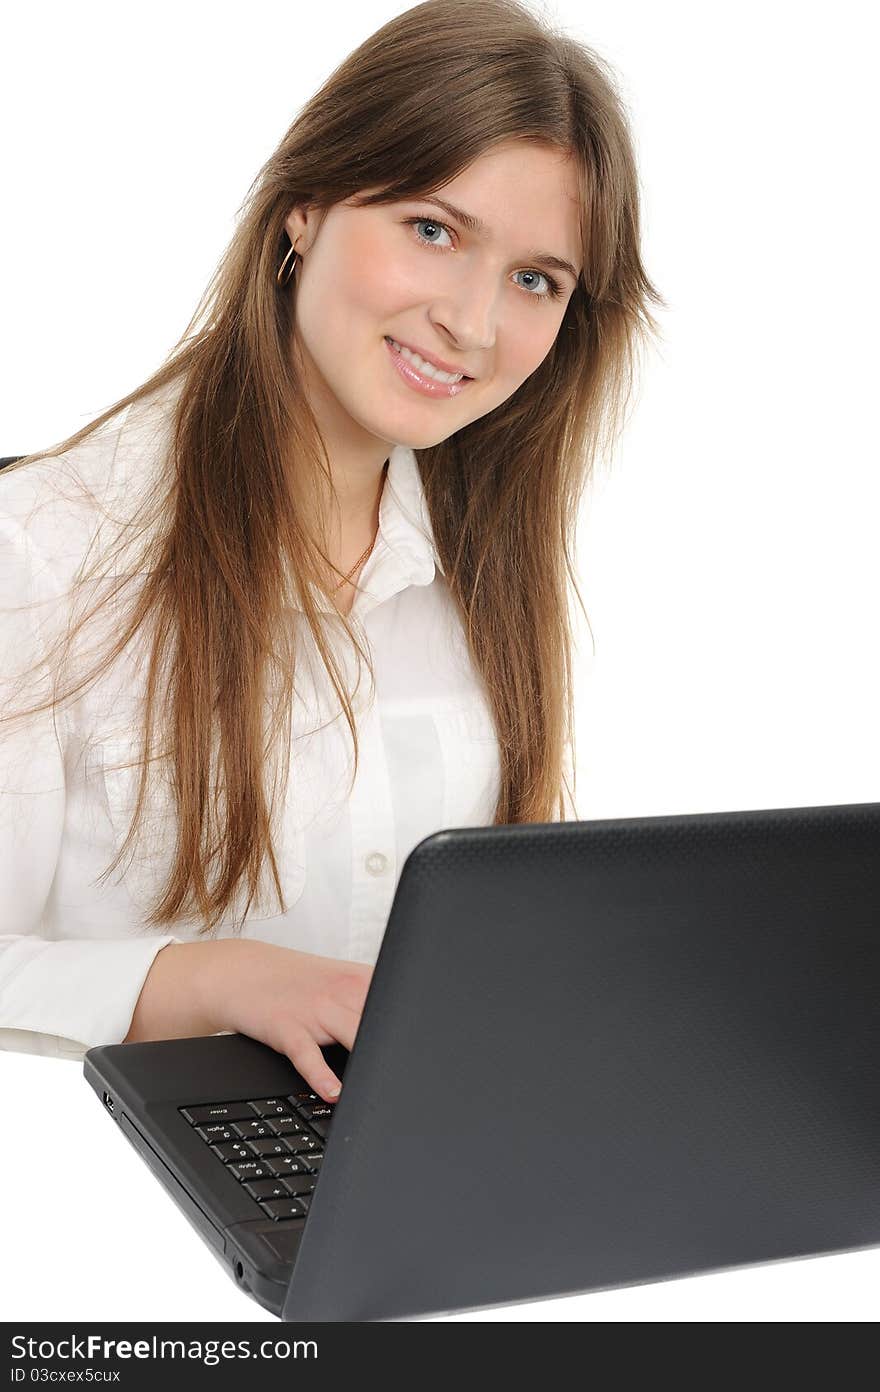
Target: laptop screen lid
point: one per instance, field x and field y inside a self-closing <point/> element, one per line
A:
<point x="605" y="1052"/>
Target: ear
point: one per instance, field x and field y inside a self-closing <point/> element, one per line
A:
<point x="294" y="225"/>
<point x="302" y="225"/>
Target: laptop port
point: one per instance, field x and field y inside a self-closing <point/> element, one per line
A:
<point x="108" y="1101"/>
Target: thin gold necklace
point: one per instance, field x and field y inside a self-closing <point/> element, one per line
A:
<point x="369" y="548"/>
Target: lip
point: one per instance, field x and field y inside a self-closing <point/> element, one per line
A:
<point x="425" y="386"/>
<point x="431" y="358"/>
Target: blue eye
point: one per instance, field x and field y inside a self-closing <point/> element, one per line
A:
<point x="554" y="291"/>
<point x="431" y="222"/>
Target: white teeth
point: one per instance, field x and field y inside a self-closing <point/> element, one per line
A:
<point x="426" y="368"/>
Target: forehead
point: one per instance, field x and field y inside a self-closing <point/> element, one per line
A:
<point x="540" y="176"/>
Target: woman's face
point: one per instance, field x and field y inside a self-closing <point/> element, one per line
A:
<point x="411" y="271"/>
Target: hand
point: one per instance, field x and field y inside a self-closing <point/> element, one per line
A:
<point x="293" y="1001"/>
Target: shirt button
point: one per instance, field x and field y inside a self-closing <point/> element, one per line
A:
<point x="376" y="862"/>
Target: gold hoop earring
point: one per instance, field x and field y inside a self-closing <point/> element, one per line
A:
<point x="292" y="272"/>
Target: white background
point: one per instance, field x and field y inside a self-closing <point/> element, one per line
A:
<point x="727" y="555"/>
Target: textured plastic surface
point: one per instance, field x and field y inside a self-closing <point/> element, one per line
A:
<point x="602" y="1053"/>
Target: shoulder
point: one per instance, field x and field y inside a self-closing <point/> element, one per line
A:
<point x="53" y="509"/>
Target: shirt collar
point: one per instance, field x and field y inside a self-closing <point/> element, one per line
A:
<point x="405" y="552"/>
<point x="404" y="521"/>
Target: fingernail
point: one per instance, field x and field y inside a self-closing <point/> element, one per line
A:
<point x="334" y="1091"/>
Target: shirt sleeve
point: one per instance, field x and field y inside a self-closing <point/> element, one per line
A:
<point x="57" y="997"/>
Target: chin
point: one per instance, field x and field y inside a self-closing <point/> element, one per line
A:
<point x="422" y="442"/>
<point x="407" y="436"/>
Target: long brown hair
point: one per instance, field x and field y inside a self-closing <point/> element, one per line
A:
<point x="245" y="465"/>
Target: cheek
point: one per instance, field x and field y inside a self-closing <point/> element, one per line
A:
<point x="528" y="340"/>
<point x="345" y="299"/>
<point x="371" y="277"/>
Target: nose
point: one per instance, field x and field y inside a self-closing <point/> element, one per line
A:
<point x="468" y="320"/>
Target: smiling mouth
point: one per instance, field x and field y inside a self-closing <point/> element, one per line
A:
<point x="415" y="380"/>
<point x="419" y="364"/>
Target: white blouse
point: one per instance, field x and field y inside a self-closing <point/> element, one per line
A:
<point x="74" y="954"/>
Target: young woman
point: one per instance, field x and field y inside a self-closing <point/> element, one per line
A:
<point x="369" y="455"/>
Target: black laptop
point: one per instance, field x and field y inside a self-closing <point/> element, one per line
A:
<point x="593" y="1054"/>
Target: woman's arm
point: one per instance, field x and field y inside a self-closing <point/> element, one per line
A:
<point x="57" y="996"/>
<point x="175" y="1000"/>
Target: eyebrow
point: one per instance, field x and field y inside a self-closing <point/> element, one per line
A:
<point x="475" y="225"/>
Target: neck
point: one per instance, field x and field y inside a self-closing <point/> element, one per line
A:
<point x="358" y="516"/>
<point x="355" y="535"/>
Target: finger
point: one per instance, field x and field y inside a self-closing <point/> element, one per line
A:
<point x="308" y="1060"/>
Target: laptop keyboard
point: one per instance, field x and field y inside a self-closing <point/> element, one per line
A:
<point x="272" y="1145"/>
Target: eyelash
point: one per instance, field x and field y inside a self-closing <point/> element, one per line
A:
<point x="552" y="294"/>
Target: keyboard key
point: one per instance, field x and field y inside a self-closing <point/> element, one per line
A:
<point x="321" y="1125"/>
<point x="271" y="1106"/>
<point x="287" y="1164"/>
<point x="297" y="1185"/>
<point x="273" y="1145"/>
<point x="315" y="1159"/>
<point x="249" y="1130"/>
<point x="283" y="1208"/>
<point x="287" y="1125"/>
<point x="315" y="1109"/>
<point x="233" y="1150"/>
<point x="267" y="1189"/>
<point x="211" y="1134"/>
<point x="296" y="1098"/>
<point x="251" y="1169"/>
<point x="217" y="1111"/>
<point x="299" y="1144"/>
